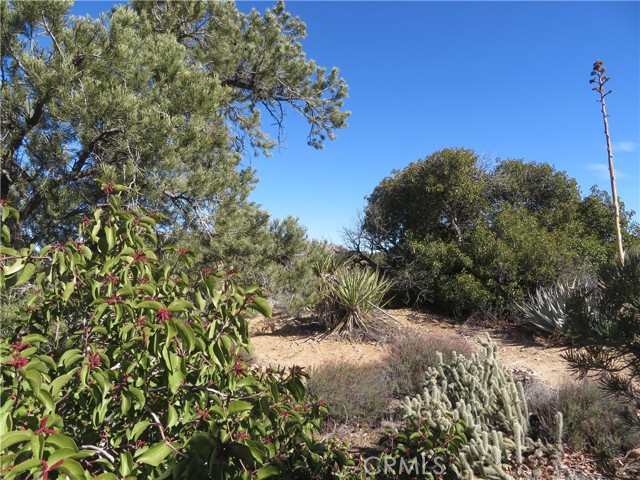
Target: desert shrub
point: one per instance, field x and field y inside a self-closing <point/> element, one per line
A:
<point x="411" y="355"/>
<point x="121" y="365"/>
<point x="352" y="391"/>
<point x="458" y="233"/>
<point x="546" y="309"/>
<point x="592" y="420"/>
<point x="415" y="451"/>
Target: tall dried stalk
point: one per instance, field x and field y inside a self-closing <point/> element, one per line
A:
<point x="600" y="79"/>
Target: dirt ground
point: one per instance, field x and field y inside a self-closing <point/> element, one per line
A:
<point x="286" y="341"/>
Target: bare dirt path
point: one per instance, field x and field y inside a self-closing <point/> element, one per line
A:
<point x="286" y="341"/>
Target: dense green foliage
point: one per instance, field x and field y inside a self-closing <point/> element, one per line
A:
<point x="460" y="234"/>
<point x="605" y="330"/>
<point x="416" y="451"/>
<point x="123" y="365"/>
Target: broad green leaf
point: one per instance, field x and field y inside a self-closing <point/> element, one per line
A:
<point x="59" y="454"/>
<point x="259" y="304"/>
<point x="70" y="357"/>
<point x="23" y="467"/>
<point x="11" y="438"/>
<point x="180" y="305"/>
<point x="296" y="387"/>
<point x="155" y="455"/>
<point x="138" y="428"/>
<point x="146" y="288"/>
<point x="267" y="472"/>
<point x="176" y="375"/>
<point x="61" y="441"/>
<point x="26" y="274"/>
<point x="34" y="378"/>
<point x="172" y="416"/>
<point x="110" y="234"/>
<point x="86" y="252"/>
<point x="14" y="267"/>
<point x="100" y="311"/>
<point x="68" y="290"/>
<point x="136" y="392"/>
<point x="46" y="400"/>
<point x="125" y="402"/>
<point x="126" y="463"/>
<point x="238" y="406"/>
<point x="72" y="469"/>
<point x="34" y="338"/>
<point x="150" y="304"/>
<point x="186" y="334"/>
<point x="59" y="382"/>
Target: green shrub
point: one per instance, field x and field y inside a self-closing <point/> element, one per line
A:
<point x="592" y="419"/>
<point x="458" y="233"/>
<point x="411" y="355"/>
<point x="415" y="451"/>
<point x="605" y="330"/>
<point x="123" y="366"/>
<point x="352" y="391"/>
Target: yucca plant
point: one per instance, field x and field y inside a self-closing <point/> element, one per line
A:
<point x="327" y="269"/>
<point x="355" y="293"/>
<point x="349" y="294"/>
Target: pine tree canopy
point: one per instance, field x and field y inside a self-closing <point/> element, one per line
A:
<point x="166" y="97"/>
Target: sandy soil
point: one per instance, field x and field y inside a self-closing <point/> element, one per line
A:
<point x="286" y="341"/>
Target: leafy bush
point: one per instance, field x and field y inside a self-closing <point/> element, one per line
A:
<point x="352" y="391"/>
<point x="411" y="355"/>
<point x="459" y="233"/>
<point x="123" y="366"/>
<point x="592" y="419"/>
<point x="425" y="454"/>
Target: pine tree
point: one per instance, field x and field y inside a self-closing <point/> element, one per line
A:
<point x="165" y="97"/>
<point x="605" y="324"/>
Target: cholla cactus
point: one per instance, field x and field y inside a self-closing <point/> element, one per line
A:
<point x="489" y="401"/>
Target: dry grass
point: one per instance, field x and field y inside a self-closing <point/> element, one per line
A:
<point x="412" y="354"/>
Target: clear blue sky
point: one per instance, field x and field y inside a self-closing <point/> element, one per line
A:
<point x="507" y="79"/>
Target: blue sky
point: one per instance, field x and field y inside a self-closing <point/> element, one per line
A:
<point x="506" y="79"/>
